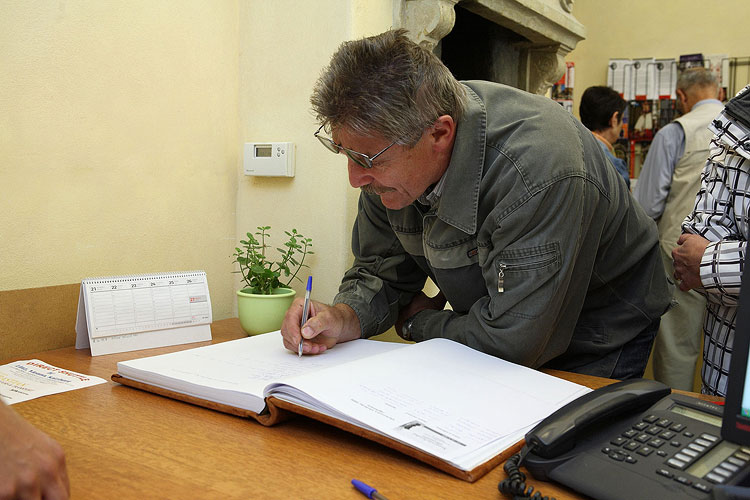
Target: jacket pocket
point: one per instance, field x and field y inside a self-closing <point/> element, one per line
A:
<point x="526" y="278"/>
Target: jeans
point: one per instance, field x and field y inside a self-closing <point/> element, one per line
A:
<point x="634" y="355"/>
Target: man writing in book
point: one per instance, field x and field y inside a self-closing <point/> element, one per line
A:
<point x="502" y="198"/>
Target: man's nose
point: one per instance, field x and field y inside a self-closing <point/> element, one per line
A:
<point x="358" y="176"/>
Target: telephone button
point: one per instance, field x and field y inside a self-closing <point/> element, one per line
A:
<point x="630" y="433"/>
<point x="714" y="478"/>
<point x="736" y="461"/>
<point x="709" y="437"/>
<point x="664" y="422"/>
<point x="730" y="467"/>
<point x="664" y="472"/>
<point x="676" y="444"/>
<point x="632" y="446"/>
<point x="650" y="419"/>
<point x="642" y="438"/>
<point x="630" y="460"/>
<point x="682" y="457"/>
<point x="619" y="441"/>
<point x="702" y="487"/>
<point x="641" y="426"/>
<point x="722" y="472"/>
<point x="676" y="464"/>
<point x="697" y="447"/>
<point x="653" y="430"/>
<point x="742" y="456"/>
<point x="667" y="435"/>
<point x="656" y="442"/>
<point x="645" y="451"/>
<point x="662" y="453"/>
<point x="688" y="434"/>
<point x="683" y="480"/>
<point x="677" y="427"/>
<point x="690" y="453"/>
<point x="617" y="455"/>
<point x="703" y="442"/>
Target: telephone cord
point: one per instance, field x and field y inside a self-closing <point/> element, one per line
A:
<point x="515" y="483"/>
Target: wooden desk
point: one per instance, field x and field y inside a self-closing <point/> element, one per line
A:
<point x="124" y="443"/>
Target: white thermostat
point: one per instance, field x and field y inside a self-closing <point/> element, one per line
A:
<point x="269" y="159"/>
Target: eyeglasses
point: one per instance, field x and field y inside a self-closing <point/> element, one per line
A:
<point x="360" y="159"/>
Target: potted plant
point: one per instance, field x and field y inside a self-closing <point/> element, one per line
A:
<point x="263" y="301"/>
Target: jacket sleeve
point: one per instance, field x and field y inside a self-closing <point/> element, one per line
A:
<point x="383" y="277"/>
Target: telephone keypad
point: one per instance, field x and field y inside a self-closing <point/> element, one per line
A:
<point x="652" y="432"/>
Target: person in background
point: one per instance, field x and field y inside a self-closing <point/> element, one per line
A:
<point x="666" y="189"/>
<point x="710" y="256"/>
<point x="502" y="198"/>
<point x="601" y="112"/>
<point x="32" y="464"/>
<point x="646" y="119"/>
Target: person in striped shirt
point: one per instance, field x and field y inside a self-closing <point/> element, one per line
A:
<point x="710" y="255"/>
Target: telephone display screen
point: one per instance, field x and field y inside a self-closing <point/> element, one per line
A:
<point x="697" y="415"/>
<point x="745" y="405"/>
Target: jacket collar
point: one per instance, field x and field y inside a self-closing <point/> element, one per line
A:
<point x="459" y="202"/>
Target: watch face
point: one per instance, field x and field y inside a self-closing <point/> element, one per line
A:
<point x="406" y="329"/>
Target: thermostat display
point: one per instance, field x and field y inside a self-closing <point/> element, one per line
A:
<point x="263" y="151"/>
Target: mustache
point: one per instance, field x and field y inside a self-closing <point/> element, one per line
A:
<point x="370" y="189"/>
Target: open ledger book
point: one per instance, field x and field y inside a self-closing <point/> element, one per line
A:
<point x="446" y="404"/>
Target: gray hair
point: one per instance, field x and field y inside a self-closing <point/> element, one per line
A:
<point x="697" y="77"/>
<point x="387" y="85"/>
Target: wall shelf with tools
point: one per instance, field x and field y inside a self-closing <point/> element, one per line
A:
<point x="648" y="85"/>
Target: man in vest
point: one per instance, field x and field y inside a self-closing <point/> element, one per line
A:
<point x="666" y="189"/>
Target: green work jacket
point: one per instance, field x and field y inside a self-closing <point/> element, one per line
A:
<point x="535" y="241"/>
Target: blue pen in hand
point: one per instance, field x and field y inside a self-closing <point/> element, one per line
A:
<point x="367" y="491"/>
<point x="305" y="312"/>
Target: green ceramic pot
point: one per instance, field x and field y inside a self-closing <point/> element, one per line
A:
<point x="263" y="313"/>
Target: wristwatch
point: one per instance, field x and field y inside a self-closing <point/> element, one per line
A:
<point x="406" y="328"/>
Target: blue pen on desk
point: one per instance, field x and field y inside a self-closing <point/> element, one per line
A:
<point x="305" y="312"/>
<point x="367" y="491"/>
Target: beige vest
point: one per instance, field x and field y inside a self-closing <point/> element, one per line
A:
<point x="687" y="173"/>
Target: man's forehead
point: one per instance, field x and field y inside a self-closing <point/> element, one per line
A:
<point x="345" y="133"/>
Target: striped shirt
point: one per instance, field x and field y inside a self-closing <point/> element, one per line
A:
<point x="721" y="213"/>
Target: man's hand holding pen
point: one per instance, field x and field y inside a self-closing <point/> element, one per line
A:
<point x="326" y="326"/>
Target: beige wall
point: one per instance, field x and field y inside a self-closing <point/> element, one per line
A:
<point x="645" y="28"/>
<point x="122" y="124"/>
<point x="121" y="132"/>
<point x="118" y="140"/>
<point x="284" y="46"/>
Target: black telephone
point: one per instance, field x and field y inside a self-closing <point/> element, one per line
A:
<point x="606" y="446"/>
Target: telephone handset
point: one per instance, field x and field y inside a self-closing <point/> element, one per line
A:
<point x="631" y="440"/>
<point x="557" y="433"/>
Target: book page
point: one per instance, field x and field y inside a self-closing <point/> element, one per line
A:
<point x="236" y="372"/>
<point x="439" y="396"/>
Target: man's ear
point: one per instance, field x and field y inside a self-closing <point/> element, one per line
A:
<point x="615" y="119"/>
<point x="442" y="133"/>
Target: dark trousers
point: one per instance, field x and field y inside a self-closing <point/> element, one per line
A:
<point x="634" y="355"/>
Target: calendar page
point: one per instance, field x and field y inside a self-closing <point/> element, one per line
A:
<point x="125" y="313"/>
